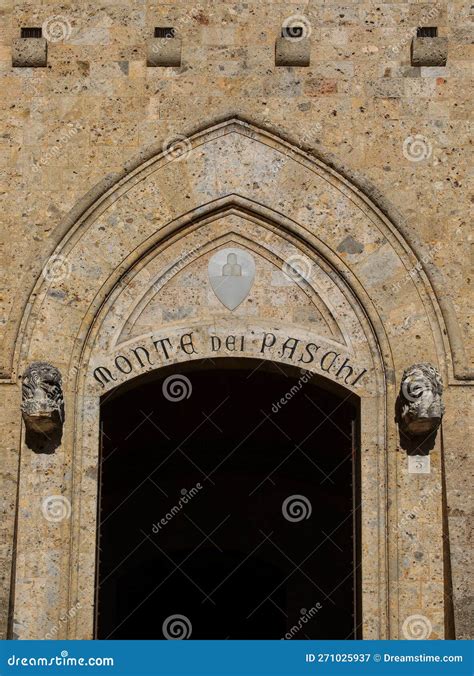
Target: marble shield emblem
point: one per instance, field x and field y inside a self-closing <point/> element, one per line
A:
<point x="231" y="274"/>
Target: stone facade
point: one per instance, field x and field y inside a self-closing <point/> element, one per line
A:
<point x="120" y="180"/>
<point x="429" y="51"/>
<point x="30" y="53"/>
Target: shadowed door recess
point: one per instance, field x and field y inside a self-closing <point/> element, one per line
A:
<point x="225" y="513"/>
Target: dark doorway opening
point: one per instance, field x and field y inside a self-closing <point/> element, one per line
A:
<point x="226" y="505"/>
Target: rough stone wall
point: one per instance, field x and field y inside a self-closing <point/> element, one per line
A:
<point x="401" y="130"/>
<point x="459" y="528"/>
<point x="10" y="398"/>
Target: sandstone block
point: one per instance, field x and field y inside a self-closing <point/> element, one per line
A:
<point x="29" y="52"/>
<point x="429" y="51"/>
<point x="292" y="52"/>
<point x="163" y="52"/>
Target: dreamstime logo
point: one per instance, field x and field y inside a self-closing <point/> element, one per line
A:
<point x="177" y="628"/>
<point x="56" y="508"/>
<point x="417" y="148"/>
<point x="309" y="136"/>
<point x="419" y="508"/>
<point x="177" y="147"/>
<point x="306" y="616"/>
<point x="413" y="389"/>
<point x="296" y="508"/>
<point x="56" y="28"/>
<point x="417" y="628"/>
<point x="296" y="27"/>
<point x="63" y="619"/>
<point x="53" y="152"/>
<point x="418" y="268"/>
<point x="297" y="268"/>
<point x="169" y="33"/>
<point x="426" y="19"/>
<point x="177" y="388"/>
<point x="177" y="267"/>
<point x="187" y="496"/>
<point x="305" y="377"/>
<point x="57" y="269"/>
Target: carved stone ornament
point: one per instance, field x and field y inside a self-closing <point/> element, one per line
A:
<point x="231" y="274"/>
<point x="421" y="406"/>
<point x="42" y="402"/>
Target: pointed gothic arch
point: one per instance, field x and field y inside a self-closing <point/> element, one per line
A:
<point x="282" y="204"/>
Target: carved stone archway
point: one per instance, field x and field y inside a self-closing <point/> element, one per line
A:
<point x="135" y="296"/>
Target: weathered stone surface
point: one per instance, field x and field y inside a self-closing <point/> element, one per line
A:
<point x="163" y="52"/>
<point x="131" y="176"/>
<point x="421" y="406"/>
<point x="429" y="51"/>
<point x="292" y="52"/>
<point x="29" y="53"/>
<point x="10" y="399"/>
<point x="42" y="402"/>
